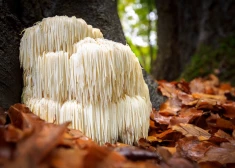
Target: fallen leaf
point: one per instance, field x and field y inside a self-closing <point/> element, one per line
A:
<point x="224" y="124"/>
<point x="152" y="124"/>
<point x="186" y="115"/>
<point x="33" y="149"/>
<point x="172" y="150"/>
<point x="13" y="134"/>
<point x="118" y="144"/>
<point x="179" y="163"/>
<point x="63" y="158"/>
<point x="186" y="99"/>
<point x="162" y="119"/>
<point x="226" y="87"/>
<point x="77" y="134"/>
<point x="153" y="139"/>
<point x="208" y="164"/>
<point x="192" y="148"/>
<point x="170" y="107"/>
<point x="207" y="85"/>
<point x="167" y="89"/>
<point x="222" y="134"/>
<point x="197" y="86"/>
<point x="164" y="153"/>
<point x="6" y="148"/>
<point x="229" y="109"/>
<point x="223" y="154"/>
<point x="221" y="98"/>
<point x="134" y="154"/>
<point x="102" y="157"/>
<point x="191" y="130"/>
<point x="91" y="156"/>
<point x="183" y="86"/>
<point x="21" y="117"/>
<point x="141" y="164"/>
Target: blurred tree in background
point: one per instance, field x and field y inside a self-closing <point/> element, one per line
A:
<point x="139" y="19"/>
<point x="195" y="38"/>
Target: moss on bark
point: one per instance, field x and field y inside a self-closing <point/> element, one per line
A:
<point x="219" y="60"/>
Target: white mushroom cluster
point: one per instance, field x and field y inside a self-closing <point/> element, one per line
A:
<point x="72" y="74"/>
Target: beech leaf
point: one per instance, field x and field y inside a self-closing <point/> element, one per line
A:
<point x="191" y="130"/>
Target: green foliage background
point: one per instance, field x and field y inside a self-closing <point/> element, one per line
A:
<point x="142" y="26"/>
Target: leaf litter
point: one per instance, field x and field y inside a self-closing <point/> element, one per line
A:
<point x="195" y="127"/>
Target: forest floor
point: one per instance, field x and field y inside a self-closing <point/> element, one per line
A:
<point x="195" y="127"/>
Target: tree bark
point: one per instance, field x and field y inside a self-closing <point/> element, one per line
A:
<point x="167" y="64"/>
<point x="10" y="72"/>
<point x="101" y="14"/>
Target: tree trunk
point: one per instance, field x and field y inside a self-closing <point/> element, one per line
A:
<point x="183" y="26"/>
<point x="10" y="72"/>
<point x="101" y="14"/>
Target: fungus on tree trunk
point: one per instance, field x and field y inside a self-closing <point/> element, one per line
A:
<point x="72" y="73"/>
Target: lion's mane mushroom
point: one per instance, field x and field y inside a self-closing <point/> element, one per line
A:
<point x="95" y="83"/>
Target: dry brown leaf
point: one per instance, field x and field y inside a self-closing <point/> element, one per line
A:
<point x="152" y="124"/>
<point x="167" y="89"/>
<point x="189" y="112"/>
<point x="183" y="86"/>
<point x="141" y="164"/>
<point x="170" y="107"/>
<point x="191" y="130"/>
<point x="175" y="162"/>
<point x="177" y="120"/>
<point x="13" y="134"/>
<point x="221" y="98"/>
<point x="164" y="134"/>
<point x="223" y="154"/>
<point x="172" y="150"/>
<point x="222" y="134"/>
<point x="164" y="153"/>
<point x="63" y="158"/>
<point x="186" y="99"/>
<point x="229" y="109"/>
<point x="77" y="134"/>
<point x="161" y="118"/>
<point x="161" y="136"/>
<point x="153" y="139"/>
<point x="192" y="147"/>
<point x="118" y="144"/>
<point x="207" y="86"/>
<point x="91" y="156"/>
<point x="21" y="117"/>
<point x="197" y="86"/>
<point x="135" y="154"/>
<point x="33" y="149"/>
<point x="226" y="87"/>
<point x="208" y="104"/>
<point x="102" y="157"/>
<point x="6" y="148"/>
<point x="168" y="137"/>
<point x="210" y="164"/>
<point x="224" y="124"/>
<point x="186" y="115"/>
